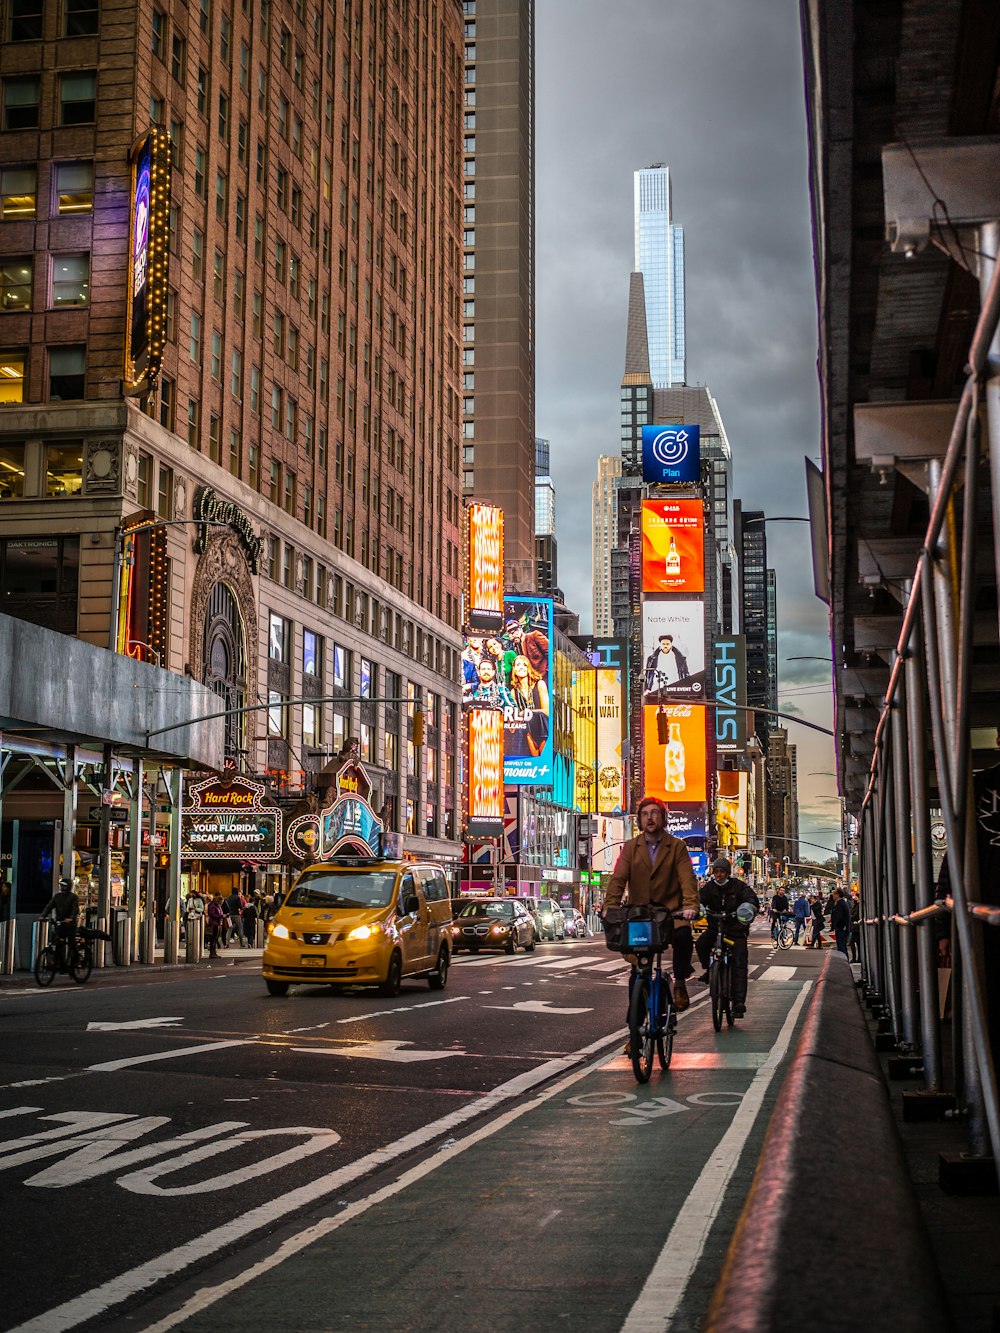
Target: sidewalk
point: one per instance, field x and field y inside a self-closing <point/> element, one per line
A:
<point x="227" y="958"/>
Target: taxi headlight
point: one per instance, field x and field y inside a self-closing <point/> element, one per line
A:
<point x="279" y="931"/>
<point x="361" y="933"/>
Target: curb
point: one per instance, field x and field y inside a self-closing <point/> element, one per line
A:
<point x="831" y="1175"/>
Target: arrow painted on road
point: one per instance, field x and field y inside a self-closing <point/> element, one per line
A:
<point x="379" y="1050"/>
<point x="538" y="1007"/>
<point x="135" y="1024"/>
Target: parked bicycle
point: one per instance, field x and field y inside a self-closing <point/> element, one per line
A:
<point x="652" y="1019"/>
<point x="72" y="953"/>
<point x="720" y="973"/>
<point x="782" y="932"/>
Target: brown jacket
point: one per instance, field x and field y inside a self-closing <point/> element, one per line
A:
<point x="669" y="883"/>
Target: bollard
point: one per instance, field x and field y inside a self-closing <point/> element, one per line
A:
<point x="194" y="939"/>
<point x="123" y="940"/>
<point x="147" y="940"/>
<point x="171" y="941"/>
<point x="8" y="929"/>
<point x="259" y="934"/>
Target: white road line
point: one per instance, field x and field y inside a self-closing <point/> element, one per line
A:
<point x="97" y="1302"/>
<point x="664" y="1289"/>
<point x="110" y="1066"/>
<point x="402" y="1009"/>
<point x="777" y="974"/>
<point x="615" y="965"/>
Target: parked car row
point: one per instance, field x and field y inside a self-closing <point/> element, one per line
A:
<point x="488" y="922"/>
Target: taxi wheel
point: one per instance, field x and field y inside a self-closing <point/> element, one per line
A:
<point x="276" y="987"/>
<point x="530" y="946"/>
<point x="438" y="979"/>
<point x="393" y="977"/>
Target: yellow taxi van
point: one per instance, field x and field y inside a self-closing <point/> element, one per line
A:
<point x="354" y="921"/>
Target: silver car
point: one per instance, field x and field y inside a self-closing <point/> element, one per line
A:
<point x="576" y="924"/>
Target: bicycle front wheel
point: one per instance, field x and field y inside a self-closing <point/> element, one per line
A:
<point x="46" y="966"/>
<point x="665" y="1040"/>
<point x="726" y="992"/>
<point x="715" y="990"/>
<point x="785" y="937"/>
<point x="640" y="1029"/>
<point x="81" y="964"/>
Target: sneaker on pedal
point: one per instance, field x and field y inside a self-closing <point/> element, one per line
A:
<point x="739" y="1010"/>
<point x="682" y="1000"/>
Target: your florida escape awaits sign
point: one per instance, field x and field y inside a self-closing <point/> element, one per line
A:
<point x="226" y="819"/>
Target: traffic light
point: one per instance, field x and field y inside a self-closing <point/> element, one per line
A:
<point x="418" y="726"/>
<point x="662" y="726"/>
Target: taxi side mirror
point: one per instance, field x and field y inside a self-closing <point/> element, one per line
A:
<point x="411" y="903"/>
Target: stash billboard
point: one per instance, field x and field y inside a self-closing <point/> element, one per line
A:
<point x="729" y="681"/>
<point x="673" y="546"/>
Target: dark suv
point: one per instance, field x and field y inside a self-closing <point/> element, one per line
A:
<point x="548" y="918"/>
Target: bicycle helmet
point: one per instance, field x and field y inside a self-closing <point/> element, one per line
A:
<point x="65" y="883"/>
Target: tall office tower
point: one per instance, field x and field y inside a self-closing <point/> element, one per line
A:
<point x="604" y="517"/>
<point x="636" y="411"/>
<point x="297" y="455"/>
<point x="772" y="640"/>
<point x="751" y="540"/>
<point x="782" y="804"/>
<point x="546" y="563"/>
<point x="498" y="296"/>
<point x="659" y="257"/>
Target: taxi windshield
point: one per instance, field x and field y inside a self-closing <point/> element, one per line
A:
<point x="350" y="888"/>
<point x="487" y="909"/>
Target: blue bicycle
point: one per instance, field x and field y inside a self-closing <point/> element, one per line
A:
<point x="652" y="1019"/>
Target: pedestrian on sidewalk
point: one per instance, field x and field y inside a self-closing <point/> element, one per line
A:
<point x="249" y="922"/>
<point x="818" y="914"/>
<point x="855" y="938"/>
<point x="800" y="911"/>
<point x="840" y="919"/>
<point x="214" y="917"/>
<point x="234" y="909"/>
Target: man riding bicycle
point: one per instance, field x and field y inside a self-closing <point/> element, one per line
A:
<point x="723" y="894"/>
<point x="656" y="869"/>
<point x="64" y="908"/>
<point x="779" y="907"/>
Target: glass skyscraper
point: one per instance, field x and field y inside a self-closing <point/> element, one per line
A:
<point x="659" y="257"/>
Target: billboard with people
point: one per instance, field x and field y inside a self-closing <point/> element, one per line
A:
<point x="673" y="650"/>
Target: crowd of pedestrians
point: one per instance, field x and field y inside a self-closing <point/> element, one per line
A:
<point x="230" y="920"/>
<point x="809" y="913"/>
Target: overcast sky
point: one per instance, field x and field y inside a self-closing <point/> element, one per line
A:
<point x="713" y="89"/>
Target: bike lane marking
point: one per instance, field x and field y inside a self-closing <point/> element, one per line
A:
<point x="777" y="974"/>
<point x="661" y="1295"/>
<point x="100" y="1300"/>
<point x="111" y="1066"/>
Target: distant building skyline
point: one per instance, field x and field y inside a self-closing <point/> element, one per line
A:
<point x="659" y="257"/>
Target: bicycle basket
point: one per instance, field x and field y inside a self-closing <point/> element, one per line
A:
<point x="633" y="929"/>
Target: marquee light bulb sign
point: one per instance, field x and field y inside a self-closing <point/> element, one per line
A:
<point x="149" y="227"/>
<point x="484" y="567"/>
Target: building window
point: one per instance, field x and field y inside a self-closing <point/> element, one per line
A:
<point x="39" y="577"/>
<point x="64" y="468"/>
<point x="159" y="35"/>
<point x="24" y="20"/>
<point x="165" y="493"/>
<point x="278" y="638"/>
<point x="275" y="713"/>
<point x="80" y="18"/>
<point x="78" y="98"/>
<point x="20" y="103"/>
<point x="168" y="403"/>
<point x="67" y="372"/>
<point x="312" y="727"/>
<point x="11" y="471"/>
<point x="193" y="422"/>
<point x="177" y="57"/>
<point x="312" y="652"/>
<point x="13" y="366"/>
<point x="74" y="187"/>
<point x="341" y="667"/>
<point x="17" y="193"/>
<point x="70" y="280"/>
<point x="144" y="482"/>
<point x="15" y="283"/>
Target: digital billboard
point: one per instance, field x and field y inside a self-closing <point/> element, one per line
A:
<point x="673" y="650"/>
<point x="584" y="704"/>
<point x="485" y="773"/>
<point x="610" y="741"/>
<point x="149" y="225"/>
<point x="484" y="567"/>
<point x="673" y="546"/>
<point x="687" y="822"/>
<point x="524" y="672"/>
<point x="671" y="455"/>
<point x="729" y="684"/>
<point x="606" y="844"/>
<point x="732" y="808"/>
<point x="674" y="751"/>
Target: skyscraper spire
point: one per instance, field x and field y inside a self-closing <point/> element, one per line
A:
<point x="659" y="256"/>
<point x="636" y="339"/>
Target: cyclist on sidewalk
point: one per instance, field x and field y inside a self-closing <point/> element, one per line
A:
<point x="721" y="893"/>
<point x="655" y="868"/>
<point x="64" y="908"/>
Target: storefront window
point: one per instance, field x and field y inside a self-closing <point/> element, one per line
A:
<point x="38" y="580"/>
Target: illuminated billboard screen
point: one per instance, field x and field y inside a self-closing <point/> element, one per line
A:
<point x="673" y="546"/>
<point x="606" y="844"/>
<point x="732" y="809"/>
<point x="526" y="672"/>
<point x="485" y="773"/>
<point x="149" y="224"/>
<point x="675" y="758"/>
<point x="729" y="685"/>
<point x="673" y="650"/>
<point x="671" y="455"/>
<point x="584" y="702"/>
<point x="143" y="586"/>
<point x="610" y="741"/>
<point x="484" y="556"/>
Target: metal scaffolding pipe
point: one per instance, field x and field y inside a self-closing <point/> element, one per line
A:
<point x="906" y="944"/>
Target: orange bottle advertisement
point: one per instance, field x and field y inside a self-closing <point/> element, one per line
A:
<point x="676" y="769"/>
<point x="673" y="546"/>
